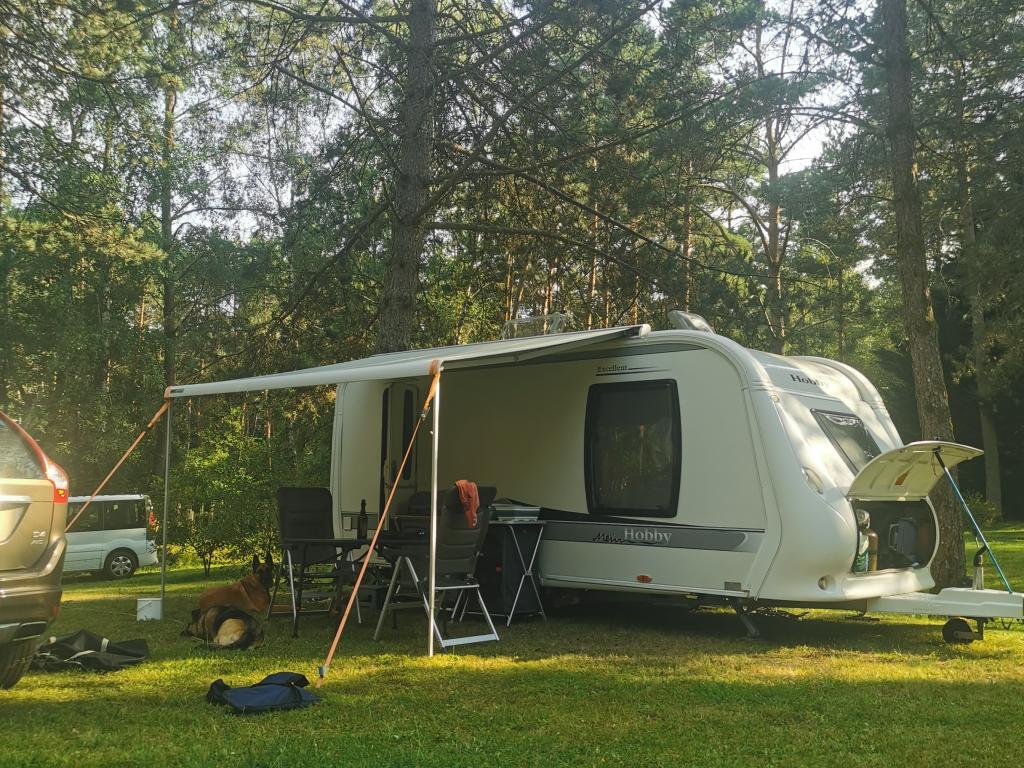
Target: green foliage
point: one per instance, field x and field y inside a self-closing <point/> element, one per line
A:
<point x="985" y="512"/>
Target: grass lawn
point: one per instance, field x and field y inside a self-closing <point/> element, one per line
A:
<point x="596" y="685"/>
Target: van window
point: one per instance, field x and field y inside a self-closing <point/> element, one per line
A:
<point x="850" y="438"/>
<point x="632" y="449"/>
<point x="90" y="519"/>
<point x="124" y="514"/>
<point x="17" y="461"/>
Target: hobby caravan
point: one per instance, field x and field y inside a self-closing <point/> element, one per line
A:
<point x="674" y="462"/>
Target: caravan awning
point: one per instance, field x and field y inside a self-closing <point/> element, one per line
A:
<point x="404" y="365"/>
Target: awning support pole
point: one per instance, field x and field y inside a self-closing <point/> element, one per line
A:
<point x="433" y="516"/>
<point x="974" y="523"/>
<point x="167" y="496"/>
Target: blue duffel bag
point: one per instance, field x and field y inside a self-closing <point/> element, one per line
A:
<point x="281" y="690"/>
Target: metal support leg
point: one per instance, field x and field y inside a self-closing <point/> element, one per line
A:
<point x="384" y="609"/>
<point x="291" y="592"/>
<point x="743" y="614"/>
<point x="277" y="583"/>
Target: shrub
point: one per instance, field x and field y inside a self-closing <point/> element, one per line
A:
<point x="985" y="512"/>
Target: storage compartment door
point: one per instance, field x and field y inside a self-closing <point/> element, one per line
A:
<point x="907" y="473"/>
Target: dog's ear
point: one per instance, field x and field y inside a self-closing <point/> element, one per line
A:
<point x="255" y="562"/>
<point x="270" y="560"/>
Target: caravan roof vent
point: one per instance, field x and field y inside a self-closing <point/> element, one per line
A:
<point x="538" y="325"/>
<point x="688" y="321"/>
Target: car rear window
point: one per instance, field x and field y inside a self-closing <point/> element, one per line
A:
<point x="16" y="459"/>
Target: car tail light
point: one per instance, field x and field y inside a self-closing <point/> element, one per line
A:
<point x="56" y="475"/>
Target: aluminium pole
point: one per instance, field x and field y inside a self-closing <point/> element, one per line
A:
<point x="433" y="516"/>
<point x="167" y="496"/>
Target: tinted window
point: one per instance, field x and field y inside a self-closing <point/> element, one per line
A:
<point x="124" y="514"/>
<point x="632" y="451"/>
<point x="850" y="438"/>
<point x="16" y="459"/>
<point x="90" y="519"/>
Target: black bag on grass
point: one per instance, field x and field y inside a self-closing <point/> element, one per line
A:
<point x="281" y="690"/>
<point x="86" y="651"/>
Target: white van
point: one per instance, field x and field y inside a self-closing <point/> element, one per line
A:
<point x="113" y="536"/>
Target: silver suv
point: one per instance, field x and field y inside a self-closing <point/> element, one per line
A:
<point x="33" y="506"/>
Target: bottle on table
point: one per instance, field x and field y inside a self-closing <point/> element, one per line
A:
<point x="362" y="521"/>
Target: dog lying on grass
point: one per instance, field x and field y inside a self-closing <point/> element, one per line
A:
<point x="251" y="594"/>
<point x="225" y="627"/>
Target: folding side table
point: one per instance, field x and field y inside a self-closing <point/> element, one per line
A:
<point x="523" y="538"/>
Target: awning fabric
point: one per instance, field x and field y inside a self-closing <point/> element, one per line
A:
<point x="412" y="364"/>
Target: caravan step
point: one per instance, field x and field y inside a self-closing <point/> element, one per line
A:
<point x="972" y="603"/>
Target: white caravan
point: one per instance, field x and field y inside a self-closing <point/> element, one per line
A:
<point x="673" y="463"/>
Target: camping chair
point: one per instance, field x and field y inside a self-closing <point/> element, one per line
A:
<point x="458" y="547"/>
<point x="313" y="573"/>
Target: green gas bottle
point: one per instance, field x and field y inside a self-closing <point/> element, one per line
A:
<point x="861" y="561"/>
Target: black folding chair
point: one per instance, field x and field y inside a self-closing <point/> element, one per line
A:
<point x="458" y="546"/>
<point x="313" y="572"/>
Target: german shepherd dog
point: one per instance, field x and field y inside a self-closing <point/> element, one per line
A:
<point x="224" y="627"/>
<point x="251" y="594"/>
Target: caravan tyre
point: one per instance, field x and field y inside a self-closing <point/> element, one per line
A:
<point x="957" y="631"/>
<point x="120" y="564"/>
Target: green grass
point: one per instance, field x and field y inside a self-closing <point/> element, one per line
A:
<point x="596" y="685"/>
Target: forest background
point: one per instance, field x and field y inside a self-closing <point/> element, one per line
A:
<point x="195" y="190"/>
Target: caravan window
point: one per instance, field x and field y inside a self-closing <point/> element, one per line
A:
<point x="850" y="438"/>
<point x="632" y="449"/>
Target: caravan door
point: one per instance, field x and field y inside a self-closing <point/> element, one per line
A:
<point x="400" y="410"/>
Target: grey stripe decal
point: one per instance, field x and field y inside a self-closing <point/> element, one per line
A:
<point x="647" y="535"/>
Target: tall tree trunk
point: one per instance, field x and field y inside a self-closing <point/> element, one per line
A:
<point x="166" y="212"/>
<point x="989" y="430"/>
<point x="510" y="264"/>
<point x="408" y="234"/>
<point x="591" y="287"/>
<point x="687" y="245"/>
<point x="978" y="300"/>
<point x="776" y="310"/>
<point x="918" y="314"/>
<point x="5" y="258"/>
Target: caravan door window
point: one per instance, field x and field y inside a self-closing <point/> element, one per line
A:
<point x="849" y="436"/>
<point x="632" y="449"/>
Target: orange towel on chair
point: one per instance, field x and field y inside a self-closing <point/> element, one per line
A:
<point x="470" y="498"/>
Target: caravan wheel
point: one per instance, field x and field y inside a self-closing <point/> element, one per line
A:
<point x="957" y="631"/>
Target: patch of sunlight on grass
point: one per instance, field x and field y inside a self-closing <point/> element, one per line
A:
<point x="625" y="685"/>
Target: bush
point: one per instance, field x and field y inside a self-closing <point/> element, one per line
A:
<point x="985" y="512"/>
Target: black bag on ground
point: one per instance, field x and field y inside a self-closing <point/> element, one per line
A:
<point x="84" y="650"/>
<point x="281" y="690"/>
